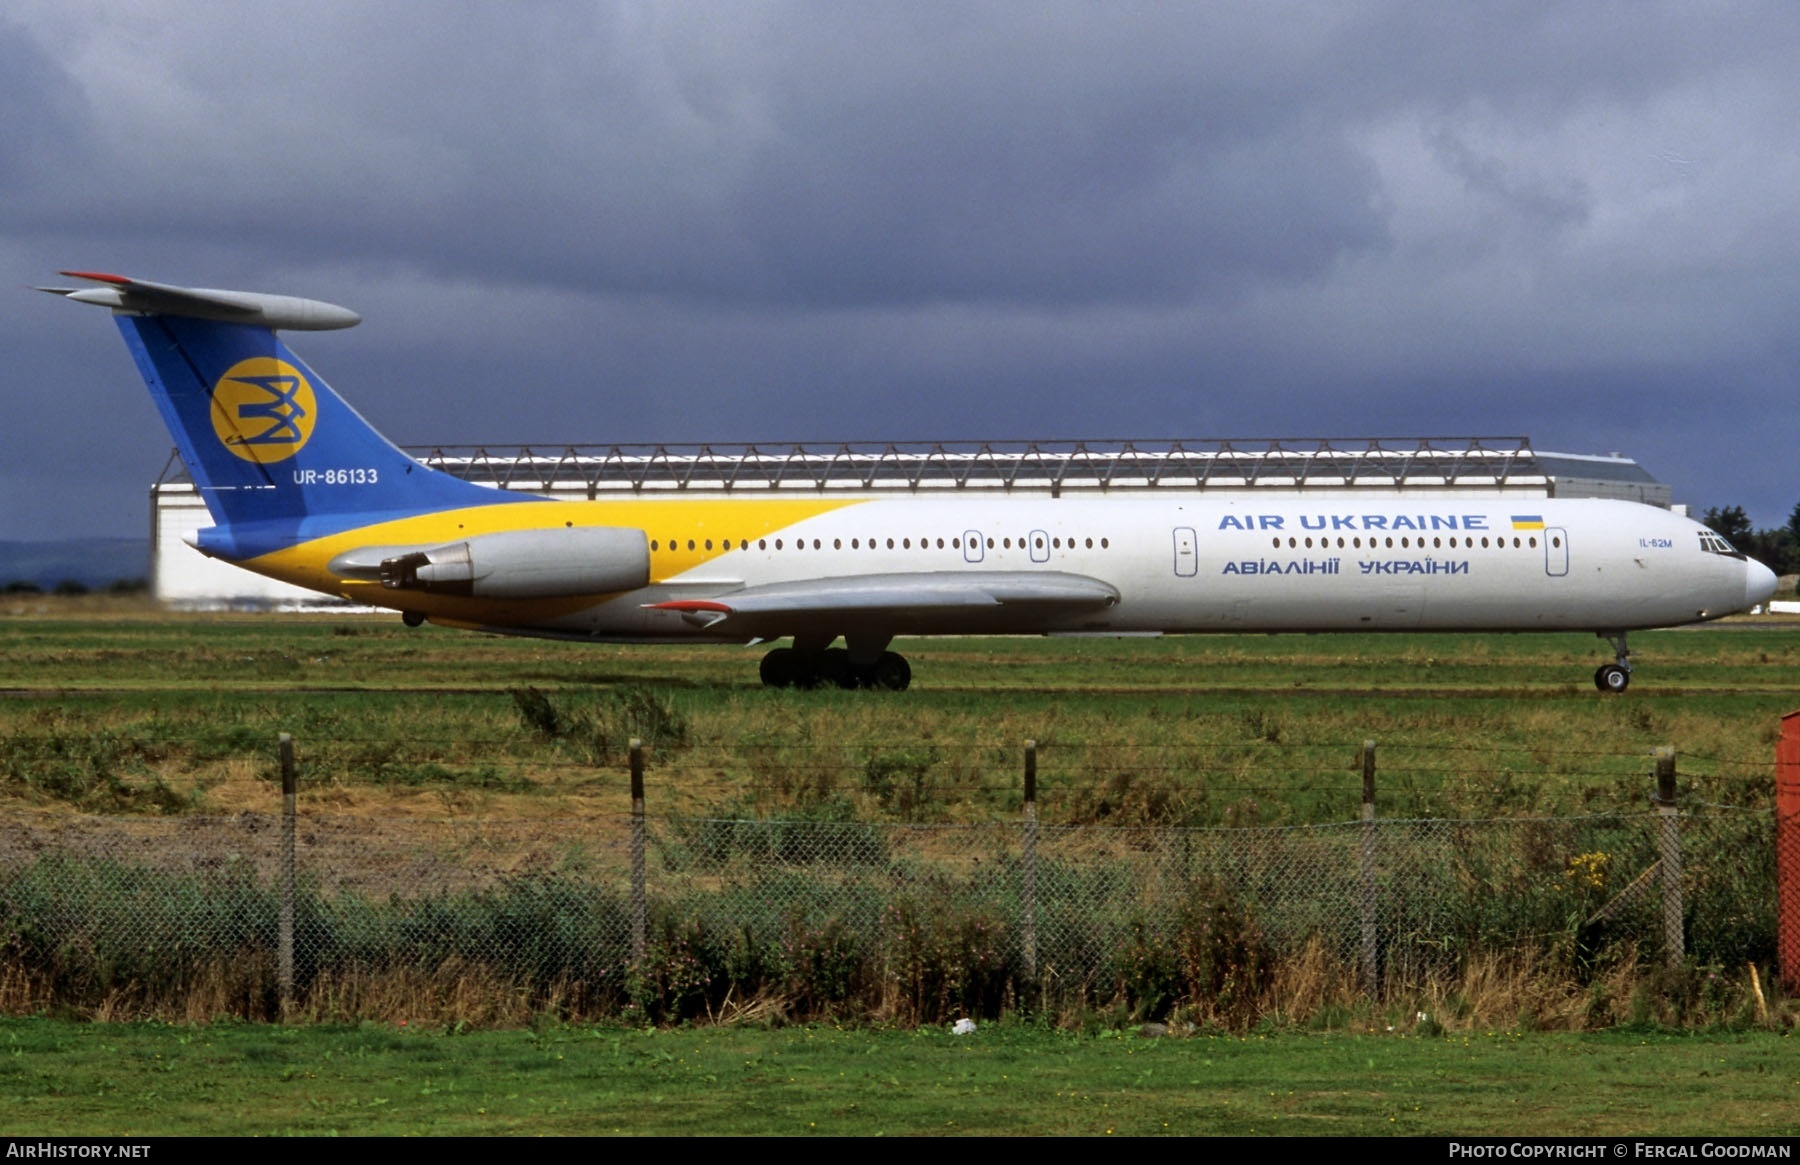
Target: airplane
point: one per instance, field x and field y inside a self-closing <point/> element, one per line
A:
<point x="302" y="489"/>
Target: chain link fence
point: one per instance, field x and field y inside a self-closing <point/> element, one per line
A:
<point x="921" y="920"/>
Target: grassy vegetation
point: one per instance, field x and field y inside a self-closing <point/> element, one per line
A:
<point x="108" y="708"/>
<point x="123" y="711"/>
<point x="149" y="1079"/>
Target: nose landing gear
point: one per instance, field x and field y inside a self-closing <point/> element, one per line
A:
<point x="1614" y="677"/>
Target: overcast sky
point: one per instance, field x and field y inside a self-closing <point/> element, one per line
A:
<point x="597" y="222"/>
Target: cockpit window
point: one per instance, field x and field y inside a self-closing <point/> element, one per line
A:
<point x="1712" y="543"/>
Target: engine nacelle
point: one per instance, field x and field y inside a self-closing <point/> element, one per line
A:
<point x="527" y="564"/>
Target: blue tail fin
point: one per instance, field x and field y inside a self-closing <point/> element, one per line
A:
<point x="268" y="443"/>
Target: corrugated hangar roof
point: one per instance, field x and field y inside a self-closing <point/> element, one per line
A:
<point x="1435" y="463"/>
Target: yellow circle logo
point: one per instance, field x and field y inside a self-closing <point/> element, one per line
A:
<point x="263" y="409"/>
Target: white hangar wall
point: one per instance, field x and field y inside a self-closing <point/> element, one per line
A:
<point x="183" y="577"/>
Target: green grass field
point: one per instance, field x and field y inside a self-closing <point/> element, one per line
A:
<point x="182" y="711"/>
<point x="145" y="1080"/>
<point x="113" y="709"/>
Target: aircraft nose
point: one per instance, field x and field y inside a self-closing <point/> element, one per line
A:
<point x="1759" y="583"/>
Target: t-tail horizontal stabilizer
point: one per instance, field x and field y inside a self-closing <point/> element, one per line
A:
<point x="140" y="296"/>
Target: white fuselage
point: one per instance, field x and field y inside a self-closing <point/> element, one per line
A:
<point x="1246" y="562"/>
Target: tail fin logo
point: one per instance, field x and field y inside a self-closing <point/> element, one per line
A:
<point x="263" y="410"/>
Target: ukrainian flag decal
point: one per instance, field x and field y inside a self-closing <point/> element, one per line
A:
<point x="1528" y="521"/>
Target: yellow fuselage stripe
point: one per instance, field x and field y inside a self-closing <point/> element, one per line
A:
<point x="670" y="523"/>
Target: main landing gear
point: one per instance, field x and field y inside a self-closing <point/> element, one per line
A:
<point x="801" y="667"/>
<point x="1614" y="677"/>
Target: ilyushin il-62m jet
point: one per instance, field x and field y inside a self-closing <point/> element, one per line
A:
<point x="302" y="489"/>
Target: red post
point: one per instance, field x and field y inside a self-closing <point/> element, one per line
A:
<point x="1787" y="851"/>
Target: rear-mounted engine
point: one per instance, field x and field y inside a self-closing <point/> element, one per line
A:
<point x="527" y="564"/>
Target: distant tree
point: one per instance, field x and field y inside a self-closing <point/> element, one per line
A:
<point x="70" y="586"/>
<point x="23" y="587"/>
<point x="1730" y="522"/>
<point x="1777" y="548"/>
<point x="127" y="586"/>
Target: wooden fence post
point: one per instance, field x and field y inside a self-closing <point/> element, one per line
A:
<point x="639" y="904"/>
<point x="1669" y="845"/>
<point x="1787" y="851"/>
<point x="284" y="928"/>
<point x="1370" y="903"/>
<point x="1028" y="876"/>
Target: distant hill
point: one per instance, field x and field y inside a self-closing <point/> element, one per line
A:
<point x="96" y="563"/>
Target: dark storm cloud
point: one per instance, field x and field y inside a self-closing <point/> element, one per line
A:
<point x="33" y="84"/>
<point x="837" y="158"/>
<point x="753" y="221"/>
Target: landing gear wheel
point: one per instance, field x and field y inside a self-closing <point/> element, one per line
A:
<point x="836" y="669"/>
<point x="778" y="669"/>
<point x="891" y="671"/>
<point x="789" y="667"/>
<point x="412" y="618"/>
<point x="1612" y="678"/>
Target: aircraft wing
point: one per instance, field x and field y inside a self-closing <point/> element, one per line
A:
<point x="899" y="601"/>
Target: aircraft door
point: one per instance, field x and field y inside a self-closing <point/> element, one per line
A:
<point x="1556" y="552"/>
<point x="1040" y="546"/>
<point x="1187" y="556"/>
<point x="971" y="545"/>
